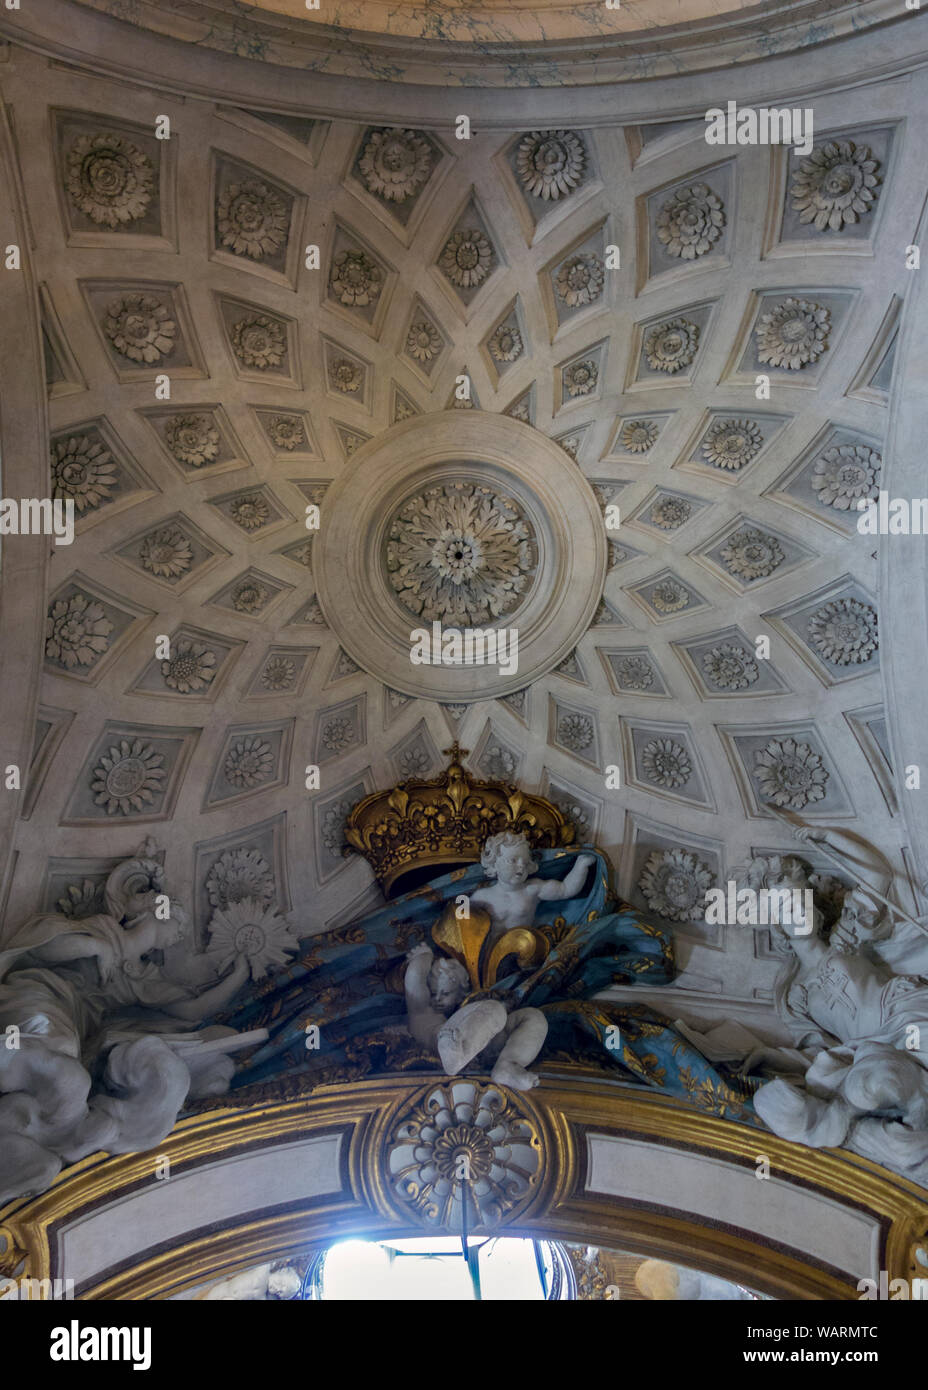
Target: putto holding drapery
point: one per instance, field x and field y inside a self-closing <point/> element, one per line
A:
<point x="491" y="961"/>
<point x="495" y="960"/>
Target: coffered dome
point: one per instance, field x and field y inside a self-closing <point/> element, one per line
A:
<point x="344" y="330"/>
<point x="517" y="377"/>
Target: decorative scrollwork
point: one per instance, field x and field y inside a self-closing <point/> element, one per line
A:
<point x="464" y="1156"/>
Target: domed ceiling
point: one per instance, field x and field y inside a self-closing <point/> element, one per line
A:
<point x="520" y="331"/>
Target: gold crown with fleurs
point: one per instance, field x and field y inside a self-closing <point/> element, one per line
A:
<point x="425" y="823"/>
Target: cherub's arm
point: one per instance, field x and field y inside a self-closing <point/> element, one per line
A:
<point x="416" y="980"/>
<point x="555" y="888"/>
<point x="423" y="1020"/>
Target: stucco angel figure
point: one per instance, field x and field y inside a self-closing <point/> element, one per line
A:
<point x="436" y="987"/>
<point x="94" y="1054"/>
<point x="534" y="950"/>
<point x="860" y="1072"/>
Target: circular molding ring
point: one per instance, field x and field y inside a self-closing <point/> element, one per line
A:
<point x="488" y="450"/>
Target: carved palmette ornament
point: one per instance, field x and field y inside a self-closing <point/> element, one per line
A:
<point x="463" y="1156"/>
<point x="446" y="820"/>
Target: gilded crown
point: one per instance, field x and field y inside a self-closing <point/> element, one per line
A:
<point x="425" y="823"/>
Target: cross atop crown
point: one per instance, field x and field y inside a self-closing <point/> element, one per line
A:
<point x="456" y="753"/>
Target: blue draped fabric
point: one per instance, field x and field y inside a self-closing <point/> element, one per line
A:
<point x="348" y="984"/>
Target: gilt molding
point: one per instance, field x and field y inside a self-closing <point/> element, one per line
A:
<point x="567" y="1121"/>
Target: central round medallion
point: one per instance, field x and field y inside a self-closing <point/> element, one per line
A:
<point x="459" y="530"/>
<point x="462" y="554"/>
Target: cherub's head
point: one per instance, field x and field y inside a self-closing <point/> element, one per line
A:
<point x="658" y="1280"/>
<point x="449" y="983"/>
<point x="507" y="857"/>
<point x="283" y="1282"/>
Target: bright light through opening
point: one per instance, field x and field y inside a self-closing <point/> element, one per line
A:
<point x="427" y="1268"/>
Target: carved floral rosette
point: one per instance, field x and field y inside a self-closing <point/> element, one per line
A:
<point x="463" y="1144"/>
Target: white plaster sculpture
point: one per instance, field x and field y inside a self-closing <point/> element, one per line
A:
<point x="436" y="986"/>
<point x="859" y="1078"/>
<point x="513" y="899"/>
<point x="94" y="1054"/>
<point x="271" y="1282"/>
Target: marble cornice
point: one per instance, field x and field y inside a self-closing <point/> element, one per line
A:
<point x="263" y="60"/>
